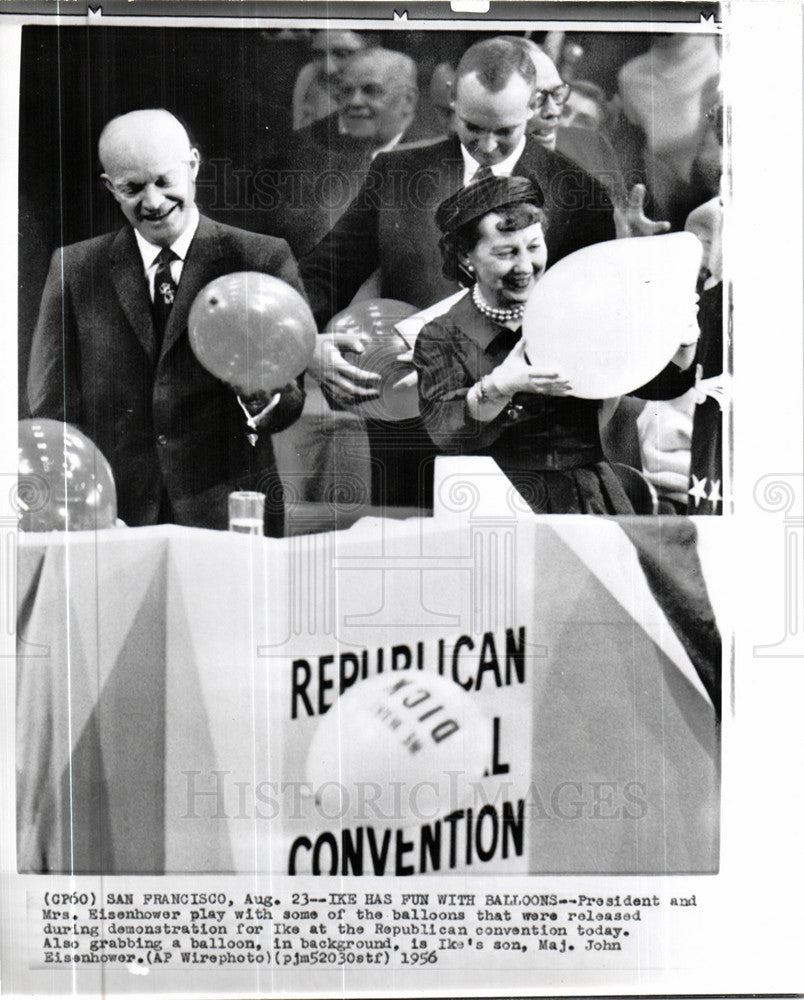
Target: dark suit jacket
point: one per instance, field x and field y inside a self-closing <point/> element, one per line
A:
<point x="591" y="150"/>
<point x="302" y="191"/>
<point x="326" y="134"/>
<point x="391" y="224"/>
<point x="161" y="419"/>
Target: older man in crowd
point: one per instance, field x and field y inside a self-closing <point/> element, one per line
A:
<point x="111" y="352"/>
<point x="305" y="188"/>
<point x="377" y="98"/>
<point x="390" y="226"/>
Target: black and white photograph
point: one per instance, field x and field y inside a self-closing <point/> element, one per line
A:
<point x="397" y="550"/>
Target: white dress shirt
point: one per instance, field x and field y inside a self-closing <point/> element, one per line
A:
<point x="502" y="169"/>
<point x="180" y="247"/>
<point x="389" y="145"/>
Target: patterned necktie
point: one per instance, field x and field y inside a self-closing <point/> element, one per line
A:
<point x="164" y="290"/>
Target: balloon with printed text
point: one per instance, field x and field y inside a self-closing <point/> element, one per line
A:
<point x="396" y="750"/>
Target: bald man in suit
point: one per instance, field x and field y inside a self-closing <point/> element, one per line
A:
<point x="111" y="353"/>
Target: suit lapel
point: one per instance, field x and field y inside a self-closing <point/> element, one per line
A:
<point x="205" y="250"/>
<point x="452" y="173"/>
<point x="536" y="162"/>
<point x="131" y="288"/>
<point x="524" y="165"/>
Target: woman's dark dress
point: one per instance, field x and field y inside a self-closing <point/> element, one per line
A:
<point x="548" y="446"/>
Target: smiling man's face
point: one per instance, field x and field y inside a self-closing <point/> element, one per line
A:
<point x="547" y="117"/>
<point x="490" y="123"/>
<point x="150" y="169"/>
<point x="375" y="102"/>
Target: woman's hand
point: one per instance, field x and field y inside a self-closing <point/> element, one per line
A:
<point x="516" y="374"/>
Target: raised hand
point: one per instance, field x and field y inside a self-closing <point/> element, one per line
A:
<point x="631" y="219"/>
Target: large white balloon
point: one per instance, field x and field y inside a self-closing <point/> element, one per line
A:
<point x="611" y="316"/>
<point x="398" y="749"/>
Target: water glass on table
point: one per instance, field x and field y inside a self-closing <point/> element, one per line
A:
<point x="246" y="509"/>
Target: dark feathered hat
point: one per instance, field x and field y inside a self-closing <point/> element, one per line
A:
<point x="489" y="194"/>
<point x="484" y="196"/>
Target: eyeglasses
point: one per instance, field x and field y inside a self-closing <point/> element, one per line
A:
<point x="559" y="95"/>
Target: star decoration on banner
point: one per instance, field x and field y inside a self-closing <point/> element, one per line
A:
<point x="698" y="490"/>
<point x="714" y="497"/>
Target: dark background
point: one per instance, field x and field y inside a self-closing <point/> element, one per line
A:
<point x="231" y="87"/>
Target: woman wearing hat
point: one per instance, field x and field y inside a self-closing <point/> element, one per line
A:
<point x="479" y="392"/>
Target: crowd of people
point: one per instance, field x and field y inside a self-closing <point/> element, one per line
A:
<point x="533" y="164"/>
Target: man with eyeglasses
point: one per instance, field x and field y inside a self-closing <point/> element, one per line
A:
<point x="586" y="147"/>
<point x="111" y="353"/>
<point x="549" y="97"/>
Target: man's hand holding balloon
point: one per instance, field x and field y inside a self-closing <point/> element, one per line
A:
<point x="343" y="381"/>
<point x="363" y="361"/>
<point x="256" y="333"/>
<point x="261" y="405"/>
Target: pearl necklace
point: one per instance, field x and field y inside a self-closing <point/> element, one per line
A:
<point x="499" y="315"/>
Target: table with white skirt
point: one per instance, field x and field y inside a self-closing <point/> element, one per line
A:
<point x="171" y="683"/>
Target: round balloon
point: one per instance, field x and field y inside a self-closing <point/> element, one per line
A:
<point x="374" y="320"/>
<point x="64" y="482"/>
<point x="397" y="750"/>
<point x="608" y="318"/>
<point x="252" y="330"/>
